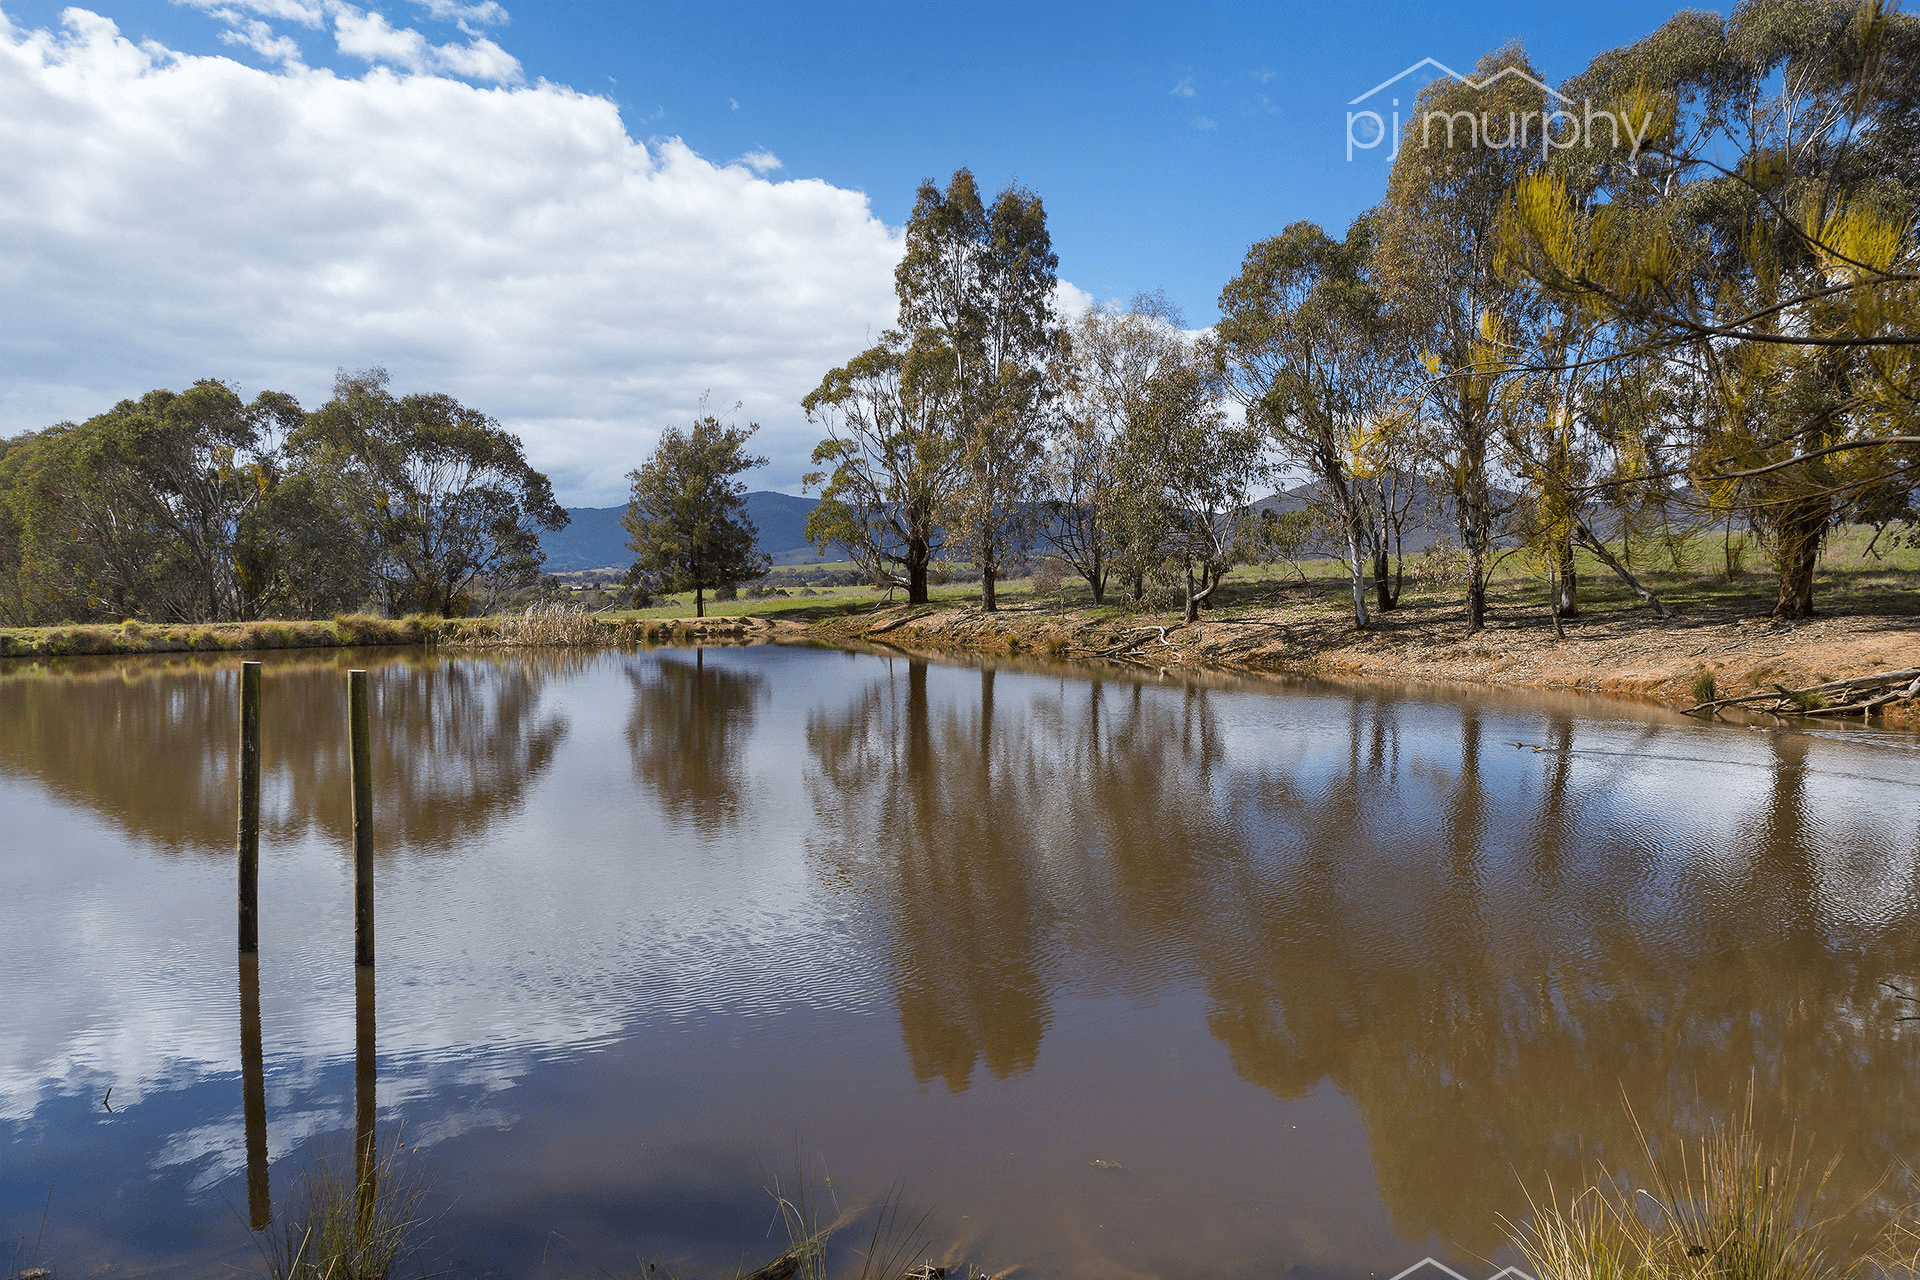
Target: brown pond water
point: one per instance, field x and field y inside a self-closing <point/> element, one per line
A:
<point x="1119" y="977"/>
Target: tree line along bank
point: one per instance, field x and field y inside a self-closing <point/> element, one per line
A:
<point x="1568" y="345"/>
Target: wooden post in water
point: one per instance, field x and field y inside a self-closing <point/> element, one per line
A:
<point x="249" y="807"/>
<point x="362" y="755"/>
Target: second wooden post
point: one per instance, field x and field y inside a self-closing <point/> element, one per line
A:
<point x="249" y="806"/>
<point x="362" y="818"/>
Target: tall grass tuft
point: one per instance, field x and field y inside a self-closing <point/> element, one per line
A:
<point x="892" y="1243"/>
<point x="552" y="624"/>
<point x="1724" y="1209"/>
<point x="1705" y="687"/>
<point x="340" y="1230"/>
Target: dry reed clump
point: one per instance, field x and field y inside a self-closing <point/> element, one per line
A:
<point x="343" y="1228"/>
<point x="1725" y="1209"/>
<point x="892" y="1243"/>
<point x="552" y="625"/>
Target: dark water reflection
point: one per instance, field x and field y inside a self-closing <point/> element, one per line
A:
<point x="688" y="733"/>
<point x="1325" y="971"/>
<point x="455" y="745"/>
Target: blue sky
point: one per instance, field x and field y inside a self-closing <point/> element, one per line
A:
<point x="1164" y="140"/>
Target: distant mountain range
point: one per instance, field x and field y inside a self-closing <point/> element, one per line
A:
<point x="1429" y="515"/>
<point x="595" y="539"/>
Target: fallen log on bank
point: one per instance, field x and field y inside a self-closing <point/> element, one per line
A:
<point x="1129" y="647"/>
<point x="1861" y="695"/>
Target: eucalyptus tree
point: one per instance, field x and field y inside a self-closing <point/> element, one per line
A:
<point x="889" y="466"/>
<point x="145" y="510"/>
<point x="1188" y="476"/>
<point x="1436" y="260"/>
<point x="1110" y="360"/>
<point x="687" y="519"/>
<point x="440" y="493"/>
<point x="1762" y="238"/>
<point x="305" y="546"/>
<point x="13" y="600"/>
<point x="1309" y="348"/>
<point x="976" y="299"/>
<point x="935" y="435"/>
<point x="1584" y="434"/>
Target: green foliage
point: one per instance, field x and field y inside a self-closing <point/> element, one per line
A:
<point x="889" y="465"/>
<point x="1705" y="687"/>
<point x="306" y="549"/>
<point x="1316" y="356"/>
<point x="144" y="509"/>
<point x="1286" y="535"/>
<point x="198" y="507"/>
<point x="1102" y="378"/>
<point x="441" y="492"/>
<point x="1760" y="252"/>
<point x="687" y="519"/>
<point x="1436" y="260"/>
<point x="1186" y="478"/>
<point x="936" y="433"/>
<point x="976" y="297"/>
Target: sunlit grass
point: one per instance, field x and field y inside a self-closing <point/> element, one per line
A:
<point x="1721" y="1207"/>
<point x="1688" y="572"/>
<point x="343" y="1226"/>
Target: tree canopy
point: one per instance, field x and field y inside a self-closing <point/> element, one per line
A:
<point x="450" y="499"/>
<point x="935" y="435"/>
<point x="687" y="519"/>
<point x="197" y="506"/>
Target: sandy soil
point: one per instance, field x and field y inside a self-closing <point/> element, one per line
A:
<point x="1623" y="653"/>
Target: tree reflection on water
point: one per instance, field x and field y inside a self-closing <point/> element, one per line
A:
<point x="1488" y="947"/>
<point x="456" y="744"/>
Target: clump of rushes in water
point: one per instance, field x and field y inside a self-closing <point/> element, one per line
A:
<point x="1724" y="1210"/>
<point x="894" y="1246"/>
<point x="336" y="1231"/>
<point x="1705" y="687"/>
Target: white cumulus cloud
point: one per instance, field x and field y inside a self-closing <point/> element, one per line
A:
<point x="169" y="217"/>
<point x="485" y="13"/>
<point x="761" y="160"/>
<point x="480" y="59"/>
<point x="260" y="37"/>
<point x="371" y="38"/>
<point x="307" y="13"/>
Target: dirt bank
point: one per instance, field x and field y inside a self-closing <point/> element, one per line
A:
<point x="1616" y="651"/>
<point x="1622" y="653"/>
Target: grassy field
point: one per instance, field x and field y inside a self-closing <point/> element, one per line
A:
<point x="1686" y="573"/>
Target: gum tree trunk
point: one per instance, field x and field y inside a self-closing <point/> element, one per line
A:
<point x="1801" y="530"/>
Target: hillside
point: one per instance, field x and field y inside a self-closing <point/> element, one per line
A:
<point x="595" y="539"/>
